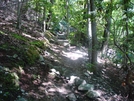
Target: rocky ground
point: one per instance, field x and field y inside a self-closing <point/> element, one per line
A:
<point x="69" y="80"/>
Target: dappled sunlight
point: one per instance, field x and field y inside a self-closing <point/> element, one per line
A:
<point x="46" y="83"/>
<point x="28" y="36"/>
<point x="99" y="60"/>
<point x="35" y="94"/>
<point x="38" y="88"/>
<point x="63" y="90"/>
<point x="74" y="55"/>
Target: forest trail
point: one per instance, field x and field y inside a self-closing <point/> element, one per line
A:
<point x="63" y="71"/>
<point x="67" y="64"/>
<point x="72" y="57"/>
<point x="68" y="71"/>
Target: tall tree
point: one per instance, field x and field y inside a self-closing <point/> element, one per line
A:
<point x="19" y="15"/>
<point x="107" y="16"/>
<point x="89" y="32"/>
<point x="94" y="35"/>
<point x="126" y="6"/>
<point x="67" y="16"/>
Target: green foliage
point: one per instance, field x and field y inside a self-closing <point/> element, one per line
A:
<point x="19" y="37"/>
<point x="90" y="67"/>
<point x="18" y="56"/>
<point x="38" y="43"/>
<point x="38" y="5"/>
<point x="6" y="46"/>
<point x="72" y="38"/>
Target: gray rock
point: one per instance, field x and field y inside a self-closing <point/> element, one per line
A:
<point x="92" y="94"/>
<point x="41" y="59"/>
<point x="79" y="82"/>
<point x="72" y="97"/>
<point x="86" y="74"/>
<point x="85" y="87"/>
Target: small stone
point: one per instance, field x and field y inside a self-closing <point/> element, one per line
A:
<point x="42" y="63"/>
<point x="72" y="97"/>
<point x="86" y="87"/>
<point x="86" y="74"/>
<point x="79" y="82"/>
<point x="92" y="94"/>
<point x="41" y="59"/>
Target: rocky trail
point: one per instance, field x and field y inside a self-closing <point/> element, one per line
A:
<point x="68" y="78"/>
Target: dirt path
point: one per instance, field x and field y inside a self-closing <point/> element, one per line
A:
<point x="66" y="65"/>
<point x="68" y="62"/>
<point x="73" y="59"/>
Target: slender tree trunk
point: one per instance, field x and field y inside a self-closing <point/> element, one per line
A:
<point x="94" y="36"/>
<point x="126" y="56"/>
<point x="19" y="15"/>
<point x="67" y="7"/>
<point x="126" y="2"/>
<point x="89" y="32"/>
<point x="44" y="20"/>
<point x="108" y="15"/>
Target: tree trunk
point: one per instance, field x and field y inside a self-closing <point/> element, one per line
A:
<point x="125" y="47"/>
<point x="67" y="7"/>
<point x="19" y="15"/>
<point x="94" y="36"/>
<point x="89" y="32"/>
<point x="44" y="20"/>
<point x="108" y="12"/>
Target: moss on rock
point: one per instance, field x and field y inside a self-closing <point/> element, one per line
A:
<point x="31" y="55"/>
<point x="38" y="43"/>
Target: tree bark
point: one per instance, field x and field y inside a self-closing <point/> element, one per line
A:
<point x="108" y="15"/>
<point x="67" y="7"/>
<point x="94" y="36"/>
<point x="89" y="32"/>
<point x="44" y="19"/>
<point x="19" y="15"/>
<point x="125" y="47"/>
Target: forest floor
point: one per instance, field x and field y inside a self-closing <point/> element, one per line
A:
<point x="68" y="65"/>
<point x="64" y="69"/>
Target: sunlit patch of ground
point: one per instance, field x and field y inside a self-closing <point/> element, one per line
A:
<point x="74" y="55"/>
